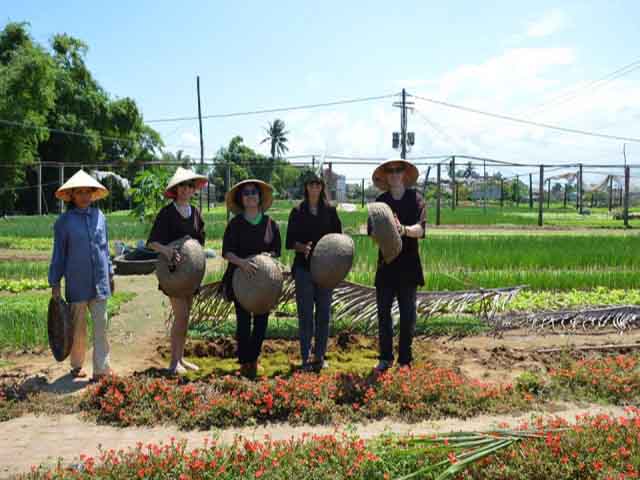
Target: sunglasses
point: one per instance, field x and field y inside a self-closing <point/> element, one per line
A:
<point x="187" y="184"/>
<point x="249" y="192"/>
<point x="394" y="169"/>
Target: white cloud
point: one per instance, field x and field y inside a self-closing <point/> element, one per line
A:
<point x="550" y="23"/>
<point x="515" y="82"/>
<point x="190" y="139"/>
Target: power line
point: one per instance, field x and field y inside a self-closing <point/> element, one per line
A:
<point x="275" y="110"/>
<point x="527" y="122"/>
<point x="594" y="84"/>
<point x="12" y="123"/>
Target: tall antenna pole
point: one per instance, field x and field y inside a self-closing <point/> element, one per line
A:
<point x="201" y="140"/>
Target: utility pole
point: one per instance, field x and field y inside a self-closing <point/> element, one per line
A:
<point x="531" y="191"/>
<point x="201" y="140"/>
<point x="39" y="170"/>
<point x="580" y="186"/>
<point x="484" y="187"/>
<point x="454" y="185"/>
<point x="438" y="193"/>
<point x="627" y="175"/>
<point x="541" y="195"/>
<point x="404" y="138"/>
<point x="61" y="179"/>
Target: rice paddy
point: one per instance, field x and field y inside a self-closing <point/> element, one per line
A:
<point x="23" y="318"/>
<point x="561" y="267"/>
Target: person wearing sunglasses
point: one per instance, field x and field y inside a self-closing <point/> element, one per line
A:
<point x="400" y="278"/>
<point x="250" y="232"/>
<point x="312" y="219"/>
<point x="174" y="221"/>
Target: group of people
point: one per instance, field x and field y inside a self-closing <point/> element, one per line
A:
<point x="81" y="256"/>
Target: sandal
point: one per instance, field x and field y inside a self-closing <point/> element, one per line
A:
<point x="78" y="372"/>
<point x="98" y="377"/>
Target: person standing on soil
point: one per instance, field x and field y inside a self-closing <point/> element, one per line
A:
<point x="250" y="232"/>
<point x="81" y="256"/>
<point x="175" y="221"/>
<point x="312" y="219"/>
<point x="400" y="278"/>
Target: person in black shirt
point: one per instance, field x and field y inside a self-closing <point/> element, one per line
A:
<point x="250" y="232"/>
<point x="309" y="222"/>
<point x="400" y="278"/>
<point x="173" y="222"/>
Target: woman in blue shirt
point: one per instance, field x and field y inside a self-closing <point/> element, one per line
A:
<point x="81" y="256"/>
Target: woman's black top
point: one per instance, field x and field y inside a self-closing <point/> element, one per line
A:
<point x="244" y="240"/>
<point x="305" y="227"/>
<point x="169" y="225"/>
<point x="406" y="269"/>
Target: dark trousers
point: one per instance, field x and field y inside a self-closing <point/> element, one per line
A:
<point x="406" y="296"/>
<point x="249" y="340"/>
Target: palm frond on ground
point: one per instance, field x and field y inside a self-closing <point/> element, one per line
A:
<point x="618" y="317"/>
<point x="358" y="302"/>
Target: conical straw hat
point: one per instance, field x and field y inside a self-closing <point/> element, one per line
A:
<point x="184" y="278"/>
<point x="184" y="175"/>
<point x="60" y="328"/>
<point x="266" y="195"/>
<point x="260" y="292"/>
<point x="379" y="176"/>
<point x="82" y="179"/>
<point x="384" y="230"/>
<point x="332" y="259"/>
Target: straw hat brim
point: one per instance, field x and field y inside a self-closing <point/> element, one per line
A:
<point x="266" y="194"/>
<point x="184" y="175"/>
<point x="81" y="179"/>
<point x="379" y="176"/>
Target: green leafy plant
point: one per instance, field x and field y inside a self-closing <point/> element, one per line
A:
<point x="148" y="193"/>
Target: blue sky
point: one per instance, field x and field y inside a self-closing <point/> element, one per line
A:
<point x="506" y="57"/>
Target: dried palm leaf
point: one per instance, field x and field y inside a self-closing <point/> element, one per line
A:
<point x="619" y="317"/>
<point x="358" y="302"/>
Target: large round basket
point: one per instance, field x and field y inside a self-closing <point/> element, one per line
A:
<point x="332" y="259"/>
<point x="183" y="278"/>
<point x="260" y="292"/>
<point x="60" y="328"/>
<point x="123" y="266"/>
<point x="384" y="230"/>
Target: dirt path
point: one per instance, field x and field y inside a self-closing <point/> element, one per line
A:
<point x="134" y="336"/>
<point x="31" y="440"/>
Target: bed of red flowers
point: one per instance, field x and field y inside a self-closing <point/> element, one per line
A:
<point x="594" y="447"/>
<point x="615" y="379"/>
<point x="423" y="392"/>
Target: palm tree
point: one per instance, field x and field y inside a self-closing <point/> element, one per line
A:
<point x="276" y="135"/>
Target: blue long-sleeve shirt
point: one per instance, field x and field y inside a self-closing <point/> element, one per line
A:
<point x="81" y="255"/>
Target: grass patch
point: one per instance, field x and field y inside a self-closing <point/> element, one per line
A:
<point x="23" y="318"/>
<point x="15" y="270"/>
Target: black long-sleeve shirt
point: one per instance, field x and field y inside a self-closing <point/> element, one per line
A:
<point x="406" y="269"/>
<point x="244" y="240"/>
<point x="306" y="227"/>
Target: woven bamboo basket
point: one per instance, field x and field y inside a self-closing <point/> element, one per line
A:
<point x="332" y="259"/>
<point x="384" y="230"/>
<point x="182" y="279"/>
<point x="260" y="292"/>
<point x="60" y="328"/>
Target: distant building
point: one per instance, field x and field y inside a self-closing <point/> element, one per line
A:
<point x="336" y="185"/>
